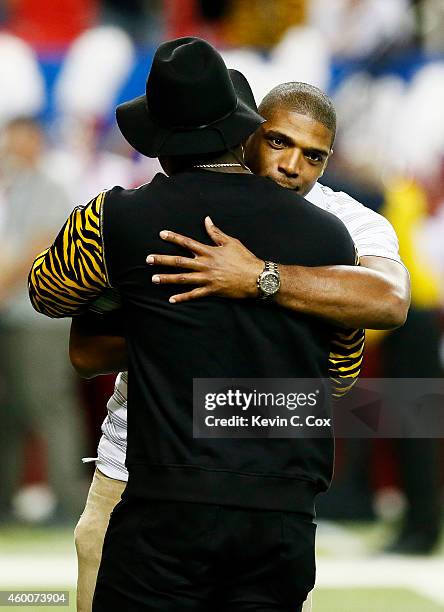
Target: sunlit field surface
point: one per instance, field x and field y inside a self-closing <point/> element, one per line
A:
<point x="352" y="575"/>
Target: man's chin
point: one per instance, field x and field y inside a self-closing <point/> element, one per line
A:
<point x="296" y="188"/>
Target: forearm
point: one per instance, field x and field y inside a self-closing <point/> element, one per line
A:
<point x="374" y="295"/>
<point x="97" y="346"/>
<point x="104" y="355"/>
<point x="347" y="296"/>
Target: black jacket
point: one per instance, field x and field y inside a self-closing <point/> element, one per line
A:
<point x="169" y="345"/>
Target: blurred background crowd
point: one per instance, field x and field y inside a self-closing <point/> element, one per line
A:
<point x="63" y="68"/>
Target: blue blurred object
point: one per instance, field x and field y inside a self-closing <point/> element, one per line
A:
<point x="404" y="65"/>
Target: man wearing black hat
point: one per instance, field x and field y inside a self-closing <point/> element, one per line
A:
<point x="204" y="524"/>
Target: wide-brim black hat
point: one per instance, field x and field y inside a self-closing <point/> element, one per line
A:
<point x="243" y="89"/>
<point x="193" y="104"/>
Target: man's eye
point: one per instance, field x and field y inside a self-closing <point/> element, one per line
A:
<point x="314" y="157"/>
<point x="277" y="142"/>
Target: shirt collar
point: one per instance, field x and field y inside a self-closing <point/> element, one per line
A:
<point x="316" y="195"/>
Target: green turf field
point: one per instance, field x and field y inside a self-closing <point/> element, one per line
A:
<point x="66" y="608"/>
<point x="372" y="600"/>
<point x="325" y="600"/>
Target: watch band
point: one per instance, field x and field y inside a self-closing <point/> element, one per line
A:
<point x="270" y="268"/>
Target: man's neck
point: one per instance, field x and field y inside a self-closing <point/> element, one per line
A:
<point x="228" y="163"/>
<point x="226" y="169"/>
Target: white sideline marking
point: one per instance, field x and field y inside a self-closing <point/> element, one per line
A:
<point x="34" y="570"/>
<point x="338" y="541"/>
<point x="421" y="575"/>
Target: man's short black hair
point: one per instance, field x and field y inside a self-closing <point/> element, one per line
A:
<point x="304" y="99"/>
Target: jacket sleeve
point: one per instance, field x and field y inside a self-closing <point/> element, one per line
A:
<point x="345" y="360"/>
<point x="71" y="273"/>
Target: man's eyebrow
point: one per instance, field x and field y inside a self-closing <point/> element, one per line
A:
<point x="280" y="135"/>
<point x="289" y="141"/>
<point x="320" y="152"/>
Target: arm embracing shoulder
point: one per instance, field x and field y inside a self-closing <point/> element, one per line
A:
<point x="373" y="295"/>
<point x="97" y="344"/>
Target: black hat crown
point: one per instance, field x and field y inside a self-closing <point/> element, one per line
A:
<point x="192" y="104"/>
<point x="189" y="85"/>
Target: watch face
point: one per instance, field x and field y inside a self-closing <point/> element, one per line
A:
<point x="270" y="282"/>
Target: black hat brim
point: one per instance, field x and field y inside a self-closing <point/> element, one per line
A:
<point x="152" y="140"/>
<point x="242" y="88"/>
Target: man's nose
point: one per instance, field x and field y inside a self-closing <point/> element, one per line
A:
<point x="289" y="164"/>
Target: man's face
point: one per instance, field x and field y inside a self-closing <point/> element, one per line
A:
<point x="291" y="149"/>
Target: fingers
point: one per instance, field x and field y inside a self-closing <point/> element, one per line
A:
<point x="175" y="261"/>
<point x="189" y="295"/>
<point x="184" y="241"/>
<point x="190" y="278"/>
<point x="216" y="234"/>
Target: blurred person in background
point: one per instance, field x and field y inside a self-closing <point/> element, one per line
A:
<point x="81" y="163"/>
<point x="39" y="392"/>
<point x="385" y="108"/>
<point x="139" y="18"/>
<point x="363" y="28"/>
<point x="413" y="352"/>
<point x="432" y="228"/>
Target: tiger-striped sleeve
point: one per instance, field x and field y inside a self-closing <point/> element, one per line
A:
<point x="71" y="272"/>
<point x="345" y="360"/>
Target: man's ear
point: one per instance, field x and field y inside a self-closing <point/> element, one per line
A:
<point x="246" y="143"/>
<point x="247" y="147"/>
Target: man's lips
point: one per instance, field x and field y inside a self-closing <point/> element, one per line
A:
<point x="290" y="186"/>
<point x="282" y="183"/>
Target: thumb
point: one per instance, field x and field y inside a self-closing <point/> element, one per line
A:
<point x="215" y="233"/>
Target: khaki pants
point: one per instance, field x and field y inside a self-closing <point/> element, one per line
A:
<point x="89" y="534"/>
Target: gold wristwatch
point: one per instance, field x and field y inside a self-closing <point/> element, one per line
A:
<point x="268" y="281"/>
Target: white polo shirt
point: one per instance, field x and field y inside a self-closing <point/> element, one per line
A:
<point x="372" y="234"/>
